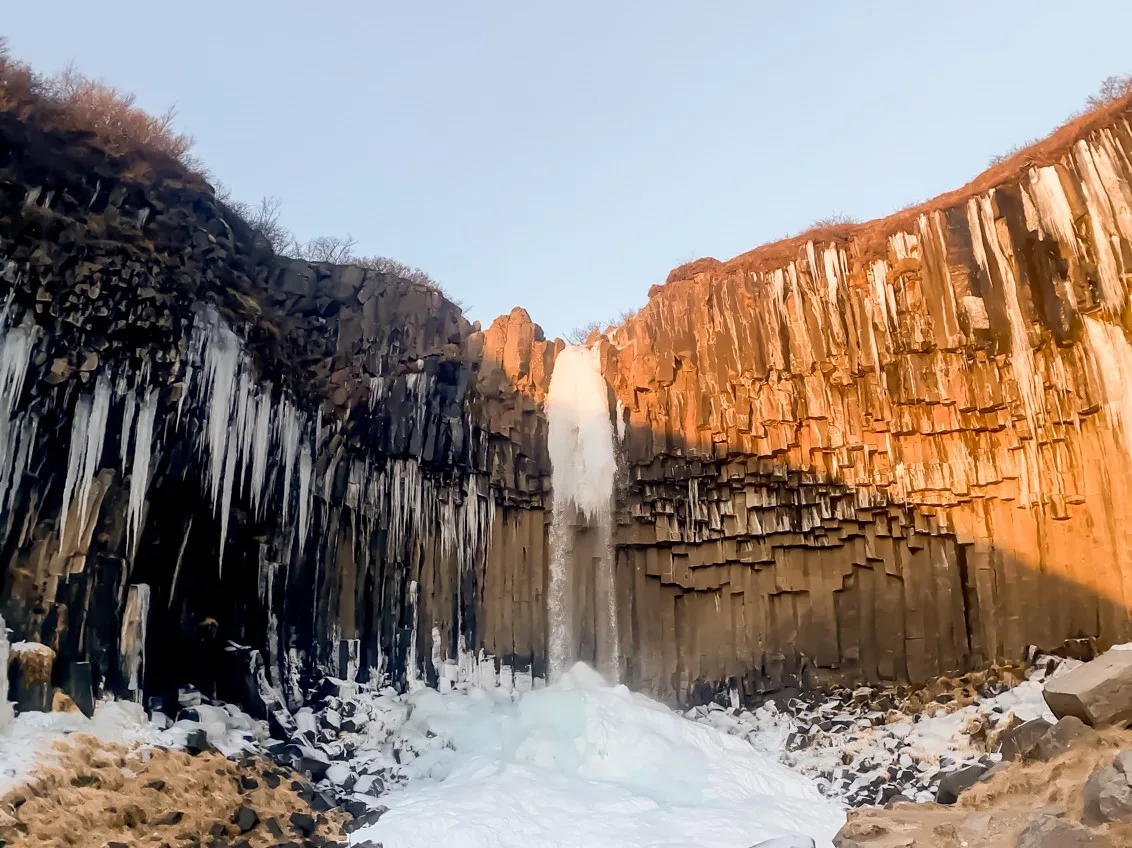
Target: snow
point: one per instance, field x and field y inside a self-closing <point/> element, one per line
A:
<point x="579" y="762"/>
<point x="846" y="758"/>
<point x="28" y="741"/>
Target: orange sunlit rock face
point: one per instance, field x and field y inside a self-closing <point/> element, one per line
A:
<point x="888" y="463"/>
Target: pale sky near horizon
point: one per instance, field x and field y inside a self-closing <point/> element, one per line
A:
<point x="563" y="157"/>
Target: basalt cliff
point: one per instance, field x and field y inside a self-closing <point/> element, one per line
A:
<point x="872" y="452"/>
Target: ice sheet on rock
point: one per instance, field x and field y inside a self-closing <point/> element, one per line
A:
<point x="578" y="763"/>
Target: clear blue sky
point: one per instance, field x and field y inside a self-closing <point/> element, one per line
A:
<point x="564" y="156"/>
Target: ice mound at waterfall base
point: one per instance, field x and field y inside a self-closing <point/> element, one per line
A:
<point x="583" y="763"/>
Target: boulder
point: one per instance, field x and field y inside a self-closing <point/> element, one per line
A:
<point x="245" y="818"/>
<point x="196" y="741"/>
<point x="1050" y="832"/>
<point x="1019" y="740"/>
<point x="78" y="683"/>
<point x="1061" y="737"/>
<point x="1108" y="792"/>
<point x="954" y="782"/>
<point x="1098" y="692"/>
<point x="29" y="675"/>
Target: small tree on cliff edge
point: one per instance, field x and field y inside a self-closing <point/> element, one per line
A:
<point x="1111" y="90"/>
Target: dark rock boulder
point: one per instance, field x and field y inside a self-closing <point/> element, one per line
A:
<point x="1018" y="741"/>
<point x="1108" y="792"/>
<point x="1098" y="692"/>
<point x="953" y="783"/>
<point x="1050" y="832"/>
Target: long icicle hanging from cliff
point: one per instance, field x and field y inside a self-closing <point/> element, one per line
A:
<point x="16" y="434"/>
<point x="583" y="467"/>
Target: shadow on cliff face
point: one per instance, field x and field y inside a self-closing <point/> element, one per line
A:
<point x="769" y="578"/>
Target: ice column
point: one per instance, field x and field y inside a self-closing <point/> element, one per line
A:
<point x="583" y="467"/>
<point x="6" y="711"/>
<point x="132" y="646"/>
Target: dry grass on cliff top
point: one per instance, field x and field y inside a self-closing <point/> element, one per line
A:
<point x="870" y="237"/>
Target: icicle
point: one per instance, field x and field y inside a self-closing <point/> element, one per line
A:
<point x="129" y="409"/>
<point x="7" y="713"/>
<point x="17" y="344"/>
<point x="15" y="453"/>
<point x="290" y="432"/>
<point x="412" y="675"/>
<point x="88" y="433"/>
<point x="261" y="445"/>
<point x="221" y="360"/>
<point x="305" y="469"/>
<point x="139" y="469"/>
<point x="132" y="643"/>
<point x="376" y="386"/>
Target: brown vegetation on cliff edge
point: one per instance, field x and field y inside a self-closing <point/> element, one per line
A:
<point x="870" y="237"/>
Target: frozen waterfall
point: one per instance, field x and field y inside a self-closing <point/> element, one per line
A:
<point x="580" y="442"/>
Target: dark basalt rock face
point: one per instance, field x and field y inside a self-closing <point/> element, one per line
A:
<point x="226" y="467"/>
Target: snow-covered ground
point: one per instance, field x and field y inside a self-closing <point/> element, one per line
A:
<point x="579" y="763"/>
<point x="30" y="738"/>
<point x="582" y="762"/>
<point x="865" y="756"/>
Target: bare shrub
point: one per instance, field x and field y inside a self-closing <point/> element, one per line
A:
<point x="1111" y="89"/>
<point x="837" y="219"/>
<point x="336" y="249"/>
<point x="72" y="101"/>
<point x="581" y="334"/>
